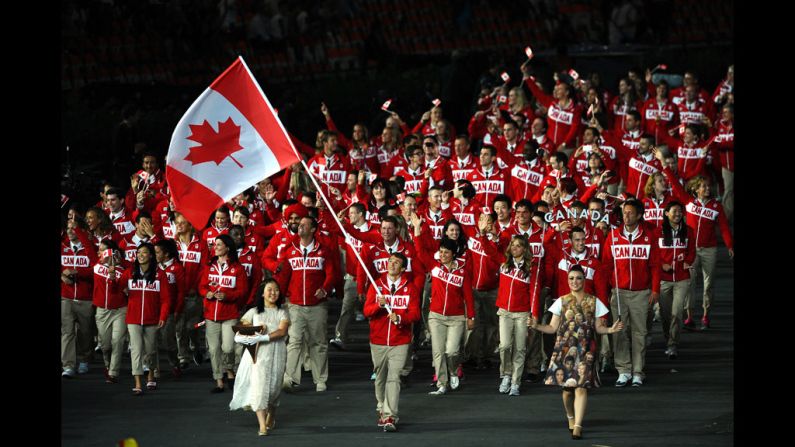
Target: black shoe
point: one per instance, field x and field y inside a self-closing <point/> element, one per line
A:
<point x="532" y="377"/>
<point x="230" y="382"/>
<point x="217" y="390"/>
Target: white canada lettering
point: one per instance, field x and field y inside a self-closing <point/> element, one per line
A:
<point x="140" y="284"/>
<point x="631" y="251"/>
<point x="448" y="277"/>
<point x="104" y="272"/>
<point x="653" y="214"/>
<point x="168" y="231"/>
<point x="664" y="115"/>
<point x="707" y="213"/>
<point x="125" y="227"/>
<point x="489" y="186"/>
<point x="398" y="301"/>
<point x="642" y="167"/>
<point x="465" y="218"/>
<point x="190" y="256"/>
<point x="309" y="263"/>
<point x="690" y="153"/>
<point x="691" y="117"/>
<point x="675" y="243"/>
<point x="461" y="174"/>
<point x="225" y="281"/>
<point x="248" y="269"/>
<point x="437" y="231"/>
<point x="334" y="176"/>
<point x="74" y="261"/>
<point x="565" y="265"/>
<point x="537" y="249"/>
<point x="412" y="186"/>
<point x="444" y="150"/>
<point x="560" y="116"/>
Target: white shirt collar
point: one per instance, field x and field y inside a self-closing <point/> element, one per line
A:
<point x="634" y="233"/>
<point x="308" y="248"/>
<point x="394" y="246"/>
<point x="167" y="264"/>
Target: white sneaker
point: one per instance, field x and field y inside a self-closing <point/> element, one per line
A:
<point x="454" y="382"/>
<point x="337" y="343"/>
<point x="82" y="368"/>
<point x="68" y="373"/>
<point x="320" y="387"/>
<point x="637" y="380"/>
<point x="372" y="377"/>
<point x="439" y="391"/>
<point x="359" y="316"/>
<point x="623" y="379"/>
<point x="505" y="384"/>
<point x="514" y="390"/>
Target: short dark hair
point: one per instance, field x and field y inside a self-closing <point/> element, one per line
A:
<point x="490" y="148"/>
<point x="635" y="203"/>
<point x="524" y="203"/>
<point x="502" y="198"/>
<point x="141" y="215"/>
<point x="359" y="207"/>
<point x="404" y="261"/>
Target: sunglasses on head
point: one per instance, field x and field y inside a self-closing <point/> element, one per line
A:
<point x="428" y="144"/>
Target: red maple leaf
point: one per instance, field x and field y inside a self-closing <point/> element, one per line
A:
<point x="214" y="146"/>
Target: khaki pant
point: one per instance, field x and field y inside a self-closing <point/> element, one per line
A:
<point x="185" y="333"/>
<point x="705" y="264"/>
<point x="167" y="340"/>
<point x="221" y="341"/>
<point x="446" y="333"/>
<point x="485" y="337"/>
<point x="728" y="193"/>
<point x="672" y="304"/>
<point x="75" y="341"/>
<point x="307" y="325"/>
<point x="513" y="343"/>
<point x="426" y="307"/>
<point x="348" y="310"/>
<point x="112" y="329"/>
<point x="630" y="343"/>
<point x="388" y="361"/>
<point x="143" y="345"/>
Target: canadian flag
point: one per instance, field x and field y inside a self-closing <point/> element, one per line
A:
<point x="228" y="140"/>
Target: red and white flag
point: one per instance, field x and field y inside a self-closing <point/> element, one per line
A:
<point x="64" y="199"/>
<point x="385" y="105"/>
<point x="437" y="102"/>
<point x="505" y="77"/>
<point x="228" y="140"/>
<point x="659" y="67"/>
<point x="574" y="75"/>
<point x="528" y="52"/>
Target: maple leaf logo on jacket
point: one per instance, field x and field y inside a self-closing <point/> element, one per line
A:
<point x="214" y="146"/>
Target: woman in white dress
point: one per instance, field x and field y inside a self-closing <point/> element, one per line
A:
<point x="259" y="381"/>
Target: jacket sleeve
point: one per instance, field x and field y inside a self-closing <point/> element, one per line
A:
<point x="371" y="307"/>
<point x="723" y="223"/>
<point x="678" y="190"/>
<point x="469" y="300"/>
<point x="542" y="97"/>
<point x="181" y="288"/>
<point x="165" y="296"/>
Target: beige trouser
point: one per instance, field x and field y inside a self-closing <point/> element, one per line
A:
<point x="672" y="305"/>
<point x="307" y="324"/>
<point x="348" y="310"/>
<point x="513" y="343"/>
<point x="634" y="311"/>
<point x="112" y="329"/>
<point x="388" y="361"/>
<point x="191" y="314"/>
<point x="426" y="307"/>
<point x="78" y="350"/>
<point x="143" y="345"/>
<point x="485" y="337"/>
<point x="728" y="193"/>
<point x="446" y="333"/>
<point x="221" y="342"/>
<point x="167" y="339"/>
<point x="704" y="263"/>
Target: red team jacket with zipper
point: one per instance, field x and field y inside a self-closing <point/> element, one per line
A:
<point x="632" y="265"/>
<point x="230" y="279"/>
<point x="405" y="302"/>
<point x="81" y="261"/>
<point x="147" y="302"/>
<point x="677" y="254"/>
<point x="301" y="276"/>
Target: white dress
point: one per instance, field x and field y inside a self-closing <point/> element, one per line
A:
<point x="259" y="384"/>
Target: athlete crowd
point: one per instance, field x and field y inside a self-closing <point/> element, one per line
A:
<point x="469" y="234"/>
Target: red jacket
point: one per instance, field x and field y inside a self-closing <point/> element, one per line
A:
<point x="526" y="178"/>
<point x="253" y="267"/>
<point x="108" y="291"/>
<point x="702" y="217"/>
<point x="333" y="171"/>
<point x="375" y="257"/>
<point x="562" y="124"/>
<point x="231" y="279"/>
<point x="193" y="256"/>
<point x="724" y="141"/>
<point x="657" y="119"/>
<point x="596" y="283"/>
<point x="147" y="303"/>
<point x="467" y="214"/>
<point x="209" y="235"/>
<point x="461" y="168"/>
<point x="632" y="265"/>
<point x="441" y="172"/>
<point x="81" y="261"/>
<point x="124" y="221"/>
<point x="639" y="169"/>
<point x="175" y="274"/>
<point x="654" y="210"/>
<point x="301" y="276"/>
<point x="695" y="112"/>
<point x="483" y="255"/>
<point x="617" y="114"/>
<point x="405" y="302"/>
<point x="518" y="291"/>
<point x="356" y="243"/>
<point x="487" y="189"/>
<point x="270" y="257"/>
<point x="436" y="224"/>
<point x="677" y="254"/>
